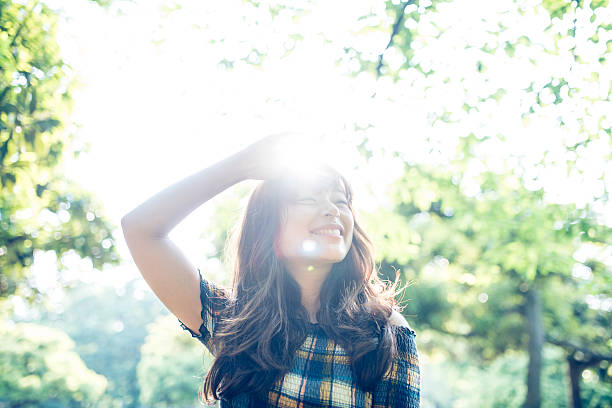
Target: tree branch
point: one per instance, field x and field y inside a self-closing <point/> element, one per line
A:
<point x="576" y="347"/>
<point x="396" y="26"/>
<point x="469" y="334"/>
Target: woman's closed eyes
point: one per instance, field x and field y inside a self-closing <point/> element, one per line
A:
<point x="312" y="199"/>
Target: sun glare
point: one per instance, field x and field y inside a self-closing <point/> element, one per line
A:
<point x="303" y="156"/>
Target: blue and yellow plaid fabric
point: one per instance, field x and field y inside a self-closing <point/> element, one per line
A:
<point x="322" y="375"/>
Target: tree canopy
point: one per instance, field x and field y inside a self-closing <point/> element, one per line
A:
<point x="41" y="209"/>
<point x="39" y="368"/>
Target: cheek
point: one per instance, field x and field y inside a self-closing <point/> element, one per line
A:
<point x="349" y="221"/>
<point x="288" y="238"/>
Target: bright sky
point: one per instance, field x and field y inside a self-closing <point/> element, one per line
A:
<point x="154" y="113"/>
<point x="155" y="106"/>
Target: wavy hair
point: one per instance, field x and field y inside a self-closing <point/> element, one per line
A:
<point x="265" y="323"/>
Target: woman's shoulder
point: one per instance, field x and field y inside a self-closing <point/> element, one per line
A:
<point x="404" y="335"/>
<point x="400" y="385"/>
<point x="397" y="319"/>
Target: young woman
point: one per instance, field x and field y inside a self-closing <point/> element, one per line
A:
<point x="307" y="322"/>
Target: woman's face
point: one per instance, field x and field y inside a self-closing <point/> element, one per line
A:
<point x="301" y="240"/>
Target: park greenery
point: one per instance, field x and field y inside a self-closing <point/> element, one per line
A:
<point x="508" y="279"/>
<point x="41" y="208"/>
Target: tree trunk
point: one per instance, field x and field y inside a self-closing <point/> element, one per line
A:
<point x="536" y="340"/>
<point x="575" y="370"/>
<point x="577" y="366"/>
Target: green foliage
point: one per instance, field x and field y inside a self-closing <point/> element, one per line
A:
<point x="474" y="240"/>
<point x="259" y="18"/>
<point x="39" y="368"/>
<point x="228" y="207"/>
<point x="557" y="8"/>
<point x="39" y="208"/>
<point x="475" y="255"/>
<point x="34" y="93"/>
<point x="170" y="374"/>
<point x="503" y="234"/>
<point x="501" y="383"/>
<point x="489" y="51"/>
<point x="579" y="319"/>
<point x="108" y="327"/>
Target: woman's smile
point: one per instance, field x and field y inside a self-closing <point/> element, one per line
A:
<point x="332" y="234"/>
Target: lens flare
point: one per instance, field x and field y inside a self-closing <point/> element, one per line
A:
<point x="300" y="155"/>
<point x="309" y="246"/>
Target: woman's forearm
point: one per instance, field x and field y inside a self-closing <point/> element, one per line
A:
<point x="161" y="213"/>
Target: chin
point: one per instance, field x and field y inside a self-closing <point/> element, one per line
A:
<point x="311" y="250"/>
<point x="334" y="258"/>
<point x="322" y="257"/>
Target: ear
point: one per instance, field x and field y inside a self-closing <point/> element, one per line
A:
<point x="398" y="319"/>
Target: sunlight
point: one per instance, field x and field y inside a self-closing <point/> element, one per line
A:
<point x="301" y="155"/>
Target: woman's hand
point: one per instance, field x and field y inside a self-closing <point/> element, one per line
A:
<point x="271" y="156"/>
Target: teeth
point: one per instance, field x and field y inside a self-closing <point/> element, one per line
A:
<point x="327" y="232"/>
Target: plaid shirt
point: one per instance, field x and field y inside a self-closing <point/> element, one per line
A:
<point x="321" y="375"/>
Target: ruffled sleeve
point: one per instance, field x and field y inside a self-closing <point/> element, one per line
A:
<point x="400" y="386"/>
<point x="214" y="300"/>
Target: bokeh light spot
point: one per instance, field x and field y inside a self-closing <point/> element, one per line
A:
<point x="309" y="245"/>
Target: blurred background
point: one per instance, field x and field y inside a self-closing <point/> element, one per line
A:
<point x="476" y="134"/>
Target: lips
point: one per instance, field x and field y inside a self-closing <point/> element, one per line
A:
<point x="329" y="227"/>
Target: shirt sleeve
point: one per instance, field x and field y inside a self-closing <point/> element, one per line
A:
<point x="214" y="300"/>
<point x="400" y="386"/>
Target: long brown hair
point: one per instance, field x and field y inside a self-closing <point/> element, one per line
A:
<point x="265" y="324"/>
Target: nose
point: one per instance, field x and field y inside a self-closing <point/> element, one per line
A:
<point x="332" y="209"/>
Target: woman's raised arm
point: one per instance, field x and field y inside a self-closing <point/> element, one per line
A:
<point x="171" y="276"/>
<point x="173" y="279"/>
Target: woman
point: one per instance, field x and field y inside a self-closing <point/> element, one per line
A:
<point x="307" y="322"/>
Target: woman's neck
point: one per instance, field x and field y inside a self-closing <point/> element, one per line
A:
<point x="310" y="278"/>
<point x="312" y="304"/>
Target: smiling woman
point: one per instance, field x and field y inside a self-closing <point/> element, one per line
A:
<point x="309" y="243"/>
<point x="307" y="321"/>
